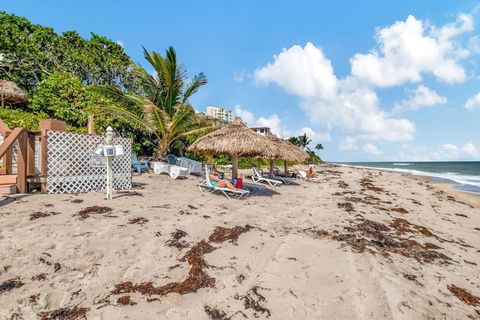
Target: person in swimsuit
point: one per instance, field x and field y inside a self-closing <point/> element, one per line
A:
<point x="220" y="183"/>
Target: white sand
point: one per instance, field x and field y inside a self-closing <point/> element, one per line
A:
<point x="301" y="275"/>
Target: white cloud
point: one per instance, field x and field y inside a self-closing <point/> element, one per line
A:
<point x="473" y="103"/>
<point x="345" y="104"/>
<point x="349" y="143"/>
<point x="471" y="151"/>
<point x="406" y="50"/>
<point x="301" y="71"/>
<point x="273" y="122"/>
<point x="315" y="136"/>
<point x="246" y="115"/>
<point x="419" y="98"/>
<point x="372" y="150"/>
<point x="239" y="76"/>
<point x="451" y="151"/>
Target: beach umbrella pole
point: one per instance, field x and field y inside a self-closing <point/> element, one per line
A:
<point x="285" y="168"/>
<point x="234" y="166"/>
<point x="271" y="168"/>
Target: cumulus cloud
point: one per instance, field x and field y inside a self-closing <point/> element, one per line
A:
<point x="315" y="136"/>
<point x="408" y="49"/>
<point x="473" y="103"/>
<point x="347" y="144"/>
<point x="246" y="115"/>
<point x="301" y="71"/>
<point x="421" y="97"/>
<point x="344" y="104"/>
<point x="273" y="122"/>
<point x="372" y="150"/>
<point x="450" y="151"/>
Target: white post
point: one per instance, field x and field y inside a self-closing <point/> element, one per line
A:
<point x="109" y="165"/>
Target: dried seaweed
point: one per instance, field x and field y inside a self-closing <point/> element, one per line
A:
<point x="86" y="212"/>
<point x="125" y="301"/>
<point x="34" y="298"/>
<point x="77" y="201"/>
<point x="368" y="184"/>
<point x="10" y="285"/>
<point x="254" y="300"/>
<point x="215" y="314"/>
<point x="38" y="215"/>
<point x="465" y="296"/>
<point x="399" y="210"/>
<point x="221" y="234"/>
<point x="347" y="206"/>
<point x="176" y="241"/>
<point x="138" y="220"/>
<point x="40" y="277"/>
<point x="74" y="313"/>
<point x="374" y="235"/>
<point x="342" y="184"/>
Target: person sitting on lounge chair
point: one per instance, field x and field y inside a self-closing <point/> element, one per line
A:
<point x="310" y="173"/>
<point x="220" y="183"/>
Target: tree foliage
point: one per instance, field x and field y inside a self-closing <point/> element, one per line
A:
<point x="163" y="108"/>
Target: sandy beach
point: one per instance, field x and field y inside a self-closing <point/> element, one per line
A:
<point x="359" y="244"/>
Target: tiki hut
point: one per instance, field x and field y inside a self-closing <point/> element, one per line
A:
<point x="287" y="151"/>
<point x="235" y="140"/>
<point x="11" y="94"/>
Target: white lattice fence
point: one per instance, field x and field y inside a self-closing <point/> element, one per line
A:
<point x="74" y="167"/>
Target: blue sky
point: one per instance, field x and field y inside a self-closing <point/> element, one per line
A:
<point x="371" y="80"/>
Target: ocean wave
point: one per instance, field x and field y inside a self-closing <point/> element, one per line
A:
<point x="401" y="164"/>
<point x="454" y="177"/>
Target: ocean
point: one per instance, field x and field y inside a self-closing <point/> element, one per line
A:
<point x="462" y="175"/>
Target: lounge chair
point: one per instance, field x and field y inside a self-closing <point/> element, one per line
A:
<point x="139" y="165"/>
<point x="257" y="177"/>
<point x="171" y="159"/>
<point x="227" y="192"/>
<point x="303" y="176"/>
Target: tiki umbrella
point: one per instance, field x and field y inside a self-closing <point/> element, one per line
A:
<point x="235" y="140"/>
<point x="10" y="93"/>
<point x="287" y="151"/>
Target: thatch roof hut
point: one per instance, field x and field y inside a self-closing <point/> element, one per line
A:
<point x="10" y="93"/>
<point x="287" y="152"/>
<point x="236" y="140"/>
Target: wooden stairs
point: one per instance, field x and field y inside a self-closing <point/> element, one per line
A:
<point x="8" y="184"/>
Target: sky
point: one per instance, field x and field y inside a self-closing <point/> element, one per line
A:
<point x="370" y="80"/>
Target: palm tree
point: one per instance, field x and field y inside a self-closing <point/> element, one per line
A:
<point x="319" y="146"/>
<point x="162" y="107"/>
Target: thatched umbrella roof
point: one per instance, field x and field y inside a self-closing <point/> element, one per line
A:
<point x="235" y="140"/>
<point x="287" y="150"/>
<point x="10" y="93"/>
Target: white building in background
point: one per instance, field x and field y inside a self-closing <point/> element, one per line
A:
<point x="220" y="113"/>
<point x="265" y="131"/>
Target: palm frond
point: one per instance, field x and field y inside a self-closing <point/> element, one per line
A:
<point x="197" y="82"/>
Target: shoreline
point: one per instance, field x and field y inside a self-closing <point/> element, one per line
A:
<point x="472" y="198"/>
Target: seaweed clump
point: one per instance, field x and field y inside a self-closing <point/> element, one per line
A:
<point x="74" y="313"/>
<point x="86" y="212"/>
<point x="10" y="285"/>
<point x="465" y="296"/>
<point x="221" y="234"/>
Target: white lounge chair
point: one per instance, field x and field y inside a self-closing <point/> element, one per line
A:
<point x="303" y="176"/>
<point x="227" y="192"/>
<point x="257" y="177"/>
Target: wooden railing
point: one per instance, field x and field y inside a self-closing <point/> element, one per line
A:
<point x="25" y="154"/>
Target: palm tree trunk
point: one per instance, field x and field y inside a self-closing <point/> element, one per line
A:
<point x="162" y="151"/>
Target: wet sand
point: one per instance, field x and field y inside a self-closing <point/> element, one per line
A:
<point x="359" y="244"/>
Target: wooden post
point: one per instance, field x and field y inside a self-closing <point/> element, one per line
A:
<point x="90" y="124"/>
<point x="31" y="155"/>
<point x="271" y="167"/>
<point x="7" y="160"/>
<point x="285" y="167"/>
<point x="43" y="153"/>
<point x="234" y="166"/>
<point x="22" y="162"/>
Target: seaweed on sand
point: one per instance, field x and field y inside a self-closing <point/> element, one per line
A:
<point x="368" y="184"/>
<point x="216" y="314"/>
<point x="10" y="285"/>
<point x="221" y="234"/>
<point x="465" y="296"/>
<point x="125" y="301"/>
<point x="347" y="206"/>
<point x="74" y="313"/>
<point x="139" y="220"/>
<point x="374" y="235"/>
<point x="38" y="215"/>
<point x="254" y="300"/>
<point x="176" y="241"/>
<point x="86" y="212"/>
<point x="196" y="278"/>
